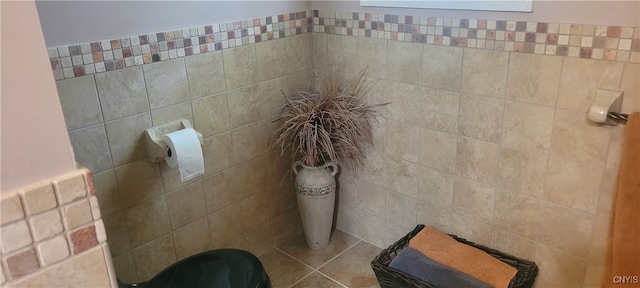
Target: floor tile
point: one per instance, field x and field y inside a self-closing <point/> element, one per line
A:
<point x="297" y="247"/>
<point x="317" y="280"/>
<point x="282" y="269"/>
<point x="353" y="267"/>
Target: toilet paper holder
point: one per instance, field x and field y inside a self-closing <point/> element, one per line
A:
<point x="606" y="107"/>
<point x="157" y="150"/>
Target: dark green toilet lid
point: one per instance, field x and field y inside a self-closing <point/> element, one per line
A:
<point x="223" y="268"/>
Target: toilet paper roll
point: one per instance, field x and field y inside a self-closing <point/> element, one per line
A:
<point x="186" y="153"/>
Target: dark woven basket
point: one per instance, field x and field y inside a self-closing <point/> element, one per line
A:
<point x="392" y="278"/>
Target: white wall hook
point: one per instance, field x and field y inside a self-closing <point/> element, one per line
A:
<point x="606" y="101"/>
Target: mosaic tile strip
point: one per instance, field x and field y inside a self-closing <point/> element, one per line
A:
<point x="49" y="222"/>
<point x="89" y="58"/>
<point x="600" y="42"/>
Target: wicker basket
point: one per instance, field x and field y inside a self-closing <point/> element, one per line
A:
<point x="392" y="278"/>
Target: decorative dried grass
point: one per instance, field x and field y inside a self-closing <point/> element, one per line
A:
<point x="327" y="122"/>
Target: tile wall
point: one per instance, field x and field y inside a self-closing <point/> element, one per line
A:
<point x="228" y="93"/>
<point x="483" y="139"/>
<point x="52" y="230"/>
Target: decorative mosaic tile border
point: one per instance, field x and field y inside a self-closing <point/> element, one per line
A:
<point x="48" y="223"/>
<point x="89" y="58"/>
<point x="600" y="42"/>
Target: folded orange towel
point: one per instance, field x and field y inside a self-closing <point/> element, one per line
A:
<point x="447" y="251"/>
<point x="623" y="257"/>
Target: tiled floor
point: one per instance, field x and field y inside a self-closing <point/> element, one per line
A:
<point x="344" y="263"/>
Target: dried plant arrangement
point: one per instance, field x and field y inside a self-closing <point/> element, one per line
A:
<point x="330" y="121"/>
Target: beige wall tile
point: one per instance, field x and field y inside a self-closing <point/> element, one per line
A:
<point x="595" y="275"/>
<point x="473" y="199"/>
<point x="125" y="268"/>
<point x="403" y="176"/>
<point x="172" y="113"/>
<point x="171" y="176"/>
<point x="285" y="226"/>
<point x="46" y="225"/>
<point x="402" y="140"/>
<point x="217" y="192"/>
<point x="631" y="87"/>
<point x="246" y="105"/>
<point x="522" y="172"/>
<point x="254" y="210"/>
<point x="192" y="239"/>
<point x="154" y="256"/>
<point x="435" y="187"/>
<point x="371" y="228"/>
<point x="82" y="271"/>
<point x="79" y="100"/>
<point x="442" y="67"/>
<point x="575" y="139"/>
<point x="122" y="93"/>
<point x="211" y="114"/>
<point x="471" y="229"/>
<point x="14" y="236"/>
<point x="271" y="91"/>
<point x="299" y="52"/>
<point x="405" y="102"/>
<point x="375" y="168"/>
<point x="437" y="150"/>
<point x="599" y="239"/>
<point x="440" y="110"/>
<point x="248" y="178"/>
<point x="250" y="141"/>
<point x="565" y="229"/>
<point x="558" y="269"/>
<point x="147" y="221"/>
<point x="37" y="200"/>
<point x="91" y="148"/>
<point x="527" y="126"/>
<point x="513" y="244"/>
<point x="615" y="147"/>
<point x="517" y="213"/>
<point x="259" y="240"/>
<point x="347" y="219"/>
<point x="371" y="197"/>
<point x="70" y="188"/>
<point x="534" y="78"/>
<point x="107" y="192"/>
<point x="581" y="78"/>
<point x="320" y="57"/>
<point x="11" y="207"/>
<point x="477" y="160"/>
<point x="272" y="59"/>
<point x="138" y="181"/>
<point x="393" y="233"/>
<point x="342" y="54"/>
<point x="608" y="188"/>
<point x="166" y="83"/>
<point x="117" y="234"/>
<point x="572" y="184"/>
<point x="404" y="60"/>
<point x="186" y="204"/>
<point x="346" y="188"/>
<point x="77" y="214"/>
<point x="484" y="72"/>
<point x="481" y="118"/>
<point x="223" y="224"/>
<point x="400" y="210"/>
<point x="218" y="153"/>
<point x="53" y="250"/>
<point x="437" y="216"/>
<point x="372" y="55"/>
<point x="240" y="66"/>
<point x="205" y="73"/>
<point x="126" y="138"/>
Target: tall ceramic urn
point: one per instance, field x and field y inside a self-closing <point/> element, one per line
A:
<point x="316" y="194"/>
